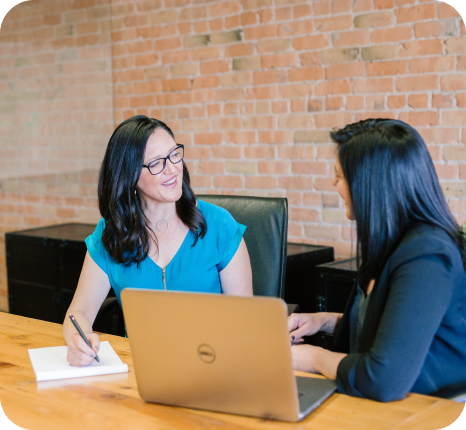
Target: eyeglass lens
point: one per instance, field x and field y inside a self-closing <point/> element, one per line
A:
<point x="157" y="166"/>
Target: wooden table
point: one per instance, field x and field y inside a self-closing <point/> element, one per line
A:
<point x="113" y="402"/>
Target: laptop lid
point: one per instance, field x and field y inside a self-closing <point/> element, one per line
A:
<point x="213" y="352"/>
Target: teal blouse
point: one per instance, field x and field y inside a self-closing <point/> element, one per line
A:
<point x="193" y="268"/>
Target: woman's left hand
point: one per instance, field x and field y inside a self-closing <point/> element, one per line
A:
<point x="305" y="357"/>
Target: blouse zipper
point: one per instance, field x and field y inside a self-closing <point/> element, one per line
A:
<point x="163" y="279"/>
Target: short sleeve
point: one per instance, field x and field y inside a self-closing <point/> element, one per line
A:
<point x="96" y="248"/>
<point x="232" y="247"/>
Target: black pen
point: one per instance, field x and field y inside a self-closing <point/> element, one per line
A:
<point x="82" y="335"/>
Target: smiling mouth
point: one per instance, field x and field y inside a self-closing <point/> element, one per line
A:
<point x="170" y="182"/>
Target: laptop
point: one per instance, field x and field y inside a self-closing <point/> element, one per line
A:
<point x="219" y="353"/>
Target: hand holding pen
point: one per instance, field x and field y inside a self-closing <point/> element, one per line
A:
<point x="80" y="356"/>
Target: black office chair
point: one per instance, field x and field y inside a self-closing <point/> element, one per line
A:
<point x="267" y="223"/>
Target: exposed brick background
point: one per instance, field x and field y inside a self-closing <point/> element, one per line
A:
<point x="251" y="88"/>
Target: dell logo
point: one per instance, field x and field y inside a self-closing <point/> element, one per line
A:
<point x="206" y="353"/>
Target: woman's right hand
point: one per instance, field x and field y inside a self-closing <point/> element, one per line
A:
<point x="300" y="325"/>
<point x="79" y="354"/>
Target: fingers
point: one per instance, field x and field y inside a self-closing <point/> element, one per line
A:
<point x="79" y="354"/>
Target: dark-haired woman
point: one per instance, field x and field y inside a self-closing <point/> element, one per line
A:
<point x="404" y="326"/>
<point x="154" y="233"/>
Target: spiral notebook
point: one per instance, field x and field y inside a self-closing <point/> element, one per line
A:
<point x="50" y="363"/>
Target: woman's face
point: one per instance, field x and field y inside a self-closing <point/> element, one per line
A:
<point x="339" y="181"/>
<point x="166" y="187"/>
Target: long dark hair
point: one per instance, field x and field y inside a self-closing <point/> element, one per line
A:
<point x="127" y="234"/>
<point x="393" y="185"/>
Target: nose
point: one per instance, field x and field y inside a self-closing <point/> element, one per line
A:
<point x="169" y="168"/>
<point x="334" y="181"/>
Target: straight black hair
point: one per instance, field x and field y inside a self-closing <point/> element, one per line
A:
<point x="127" y="234"/>
<point x="393" y="185"/>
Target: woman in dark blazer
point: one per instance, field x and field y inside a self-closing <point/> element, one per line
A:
<point x="404" y="326"/>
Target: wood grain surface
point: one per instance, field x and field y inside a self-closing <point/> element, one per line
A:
<point x="113" y="402"/>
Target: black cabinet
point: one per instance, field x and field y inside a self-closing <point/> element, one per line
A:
<point x="302" y="282"/>
<point x="44" y="265"/>
<point x="335" y="283"/>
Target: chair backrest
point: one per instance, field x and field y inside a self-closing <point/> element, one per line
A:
<point x="266" y="219"/>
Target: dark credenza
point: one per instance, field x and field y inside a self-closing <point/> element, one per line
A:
<point x="335" y="283"/>
<point x="302" y="282"/>
<point x="43" y="266"/>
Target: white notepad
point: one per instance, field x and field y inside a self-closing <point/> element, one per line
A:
<point x="50" y="363"/>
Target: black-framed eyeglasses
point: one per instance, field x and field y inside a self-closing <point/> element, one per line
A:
<point x="157" y="166"/>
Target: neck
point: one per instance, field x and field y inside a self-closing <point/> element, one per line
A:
<point x="159" y="211"/>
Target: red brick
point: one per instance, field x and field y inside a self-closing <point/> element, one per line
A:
<point x="349" y="70"/>
<point x="208" y="67"/>
<point x="388" y="35"/>
<point x="454" y="117"/>
<point x="166" y="44"/>
<point x="283" y="13"/>
<point x="453" y="82"/>
<point x="330" y="120"/>
<point x="259" y="151"/>
<point x="298" y="105"/>
<point x="446" y="11"/>
<point x="442" y="101"/>
<point x="240" y="137"/>
<point x="270" y="77"/>
<point x="321" y="7"/>
<point x="295" y="183"/>
<point x="417" y="83"/>
<point x="354" y="102"/>
<point x="310" y="42"/>
<point x="432" y="29"/>
<point x="228" y="181"/>
<point x="262" y="182"/>
<point x="384" y="85"/>
<point x="334" y="103"/>
<point x="432" y="64"/>
<point x="279" y="60"/>
<point x="273" y="167"/>
<point x="249" y="18"/>
<point x="206" y="82"/>
<point x="176" y="57"/>
<point x="415" y="13"/>
<point x="333" y="87"/>
<point x="216" y="24"/>
<point x="422" y="47"/>
<point x="417" y="101"/>
<point x="294" y="28"/>
<point x="384" y="4"/>
<point x="420" y="118"/>
<point x="265" y="15"/>
<point x="260" y="32"/>
<point x="460" y="100"/>
<point x="208" y="138"/>
<point x="276" y="136"/>
<point x="224" y="8"/>
<point x="176" y="84"/>
<point x="263" y="93"/>
<point x="208" y="53"/>
<point x="295" y="90"/>
<point x="273" y="45"/>
<point x="351" y="38"/>
<point x="340" y="22"/>
<point x="226" y="152"/>
<point x="302" y="10"/>
<point x="306" y="74"/>
<point x="239" y="50"/>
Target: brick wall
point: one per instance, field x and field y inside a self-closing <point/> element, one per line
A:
<point x="250" y="87"/>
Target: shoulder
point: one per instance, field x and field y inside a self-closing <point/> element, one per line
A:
<point x="426" y="240"/>
<point x="214" y="213"/>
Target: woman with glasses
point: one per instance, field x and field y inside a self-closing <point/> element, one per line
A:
<point x="154" y="233"/>
<point x="404" y="326"/>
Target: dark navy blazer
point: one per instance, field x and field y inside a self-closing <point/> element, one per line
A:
<point x="414" y="333"/>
